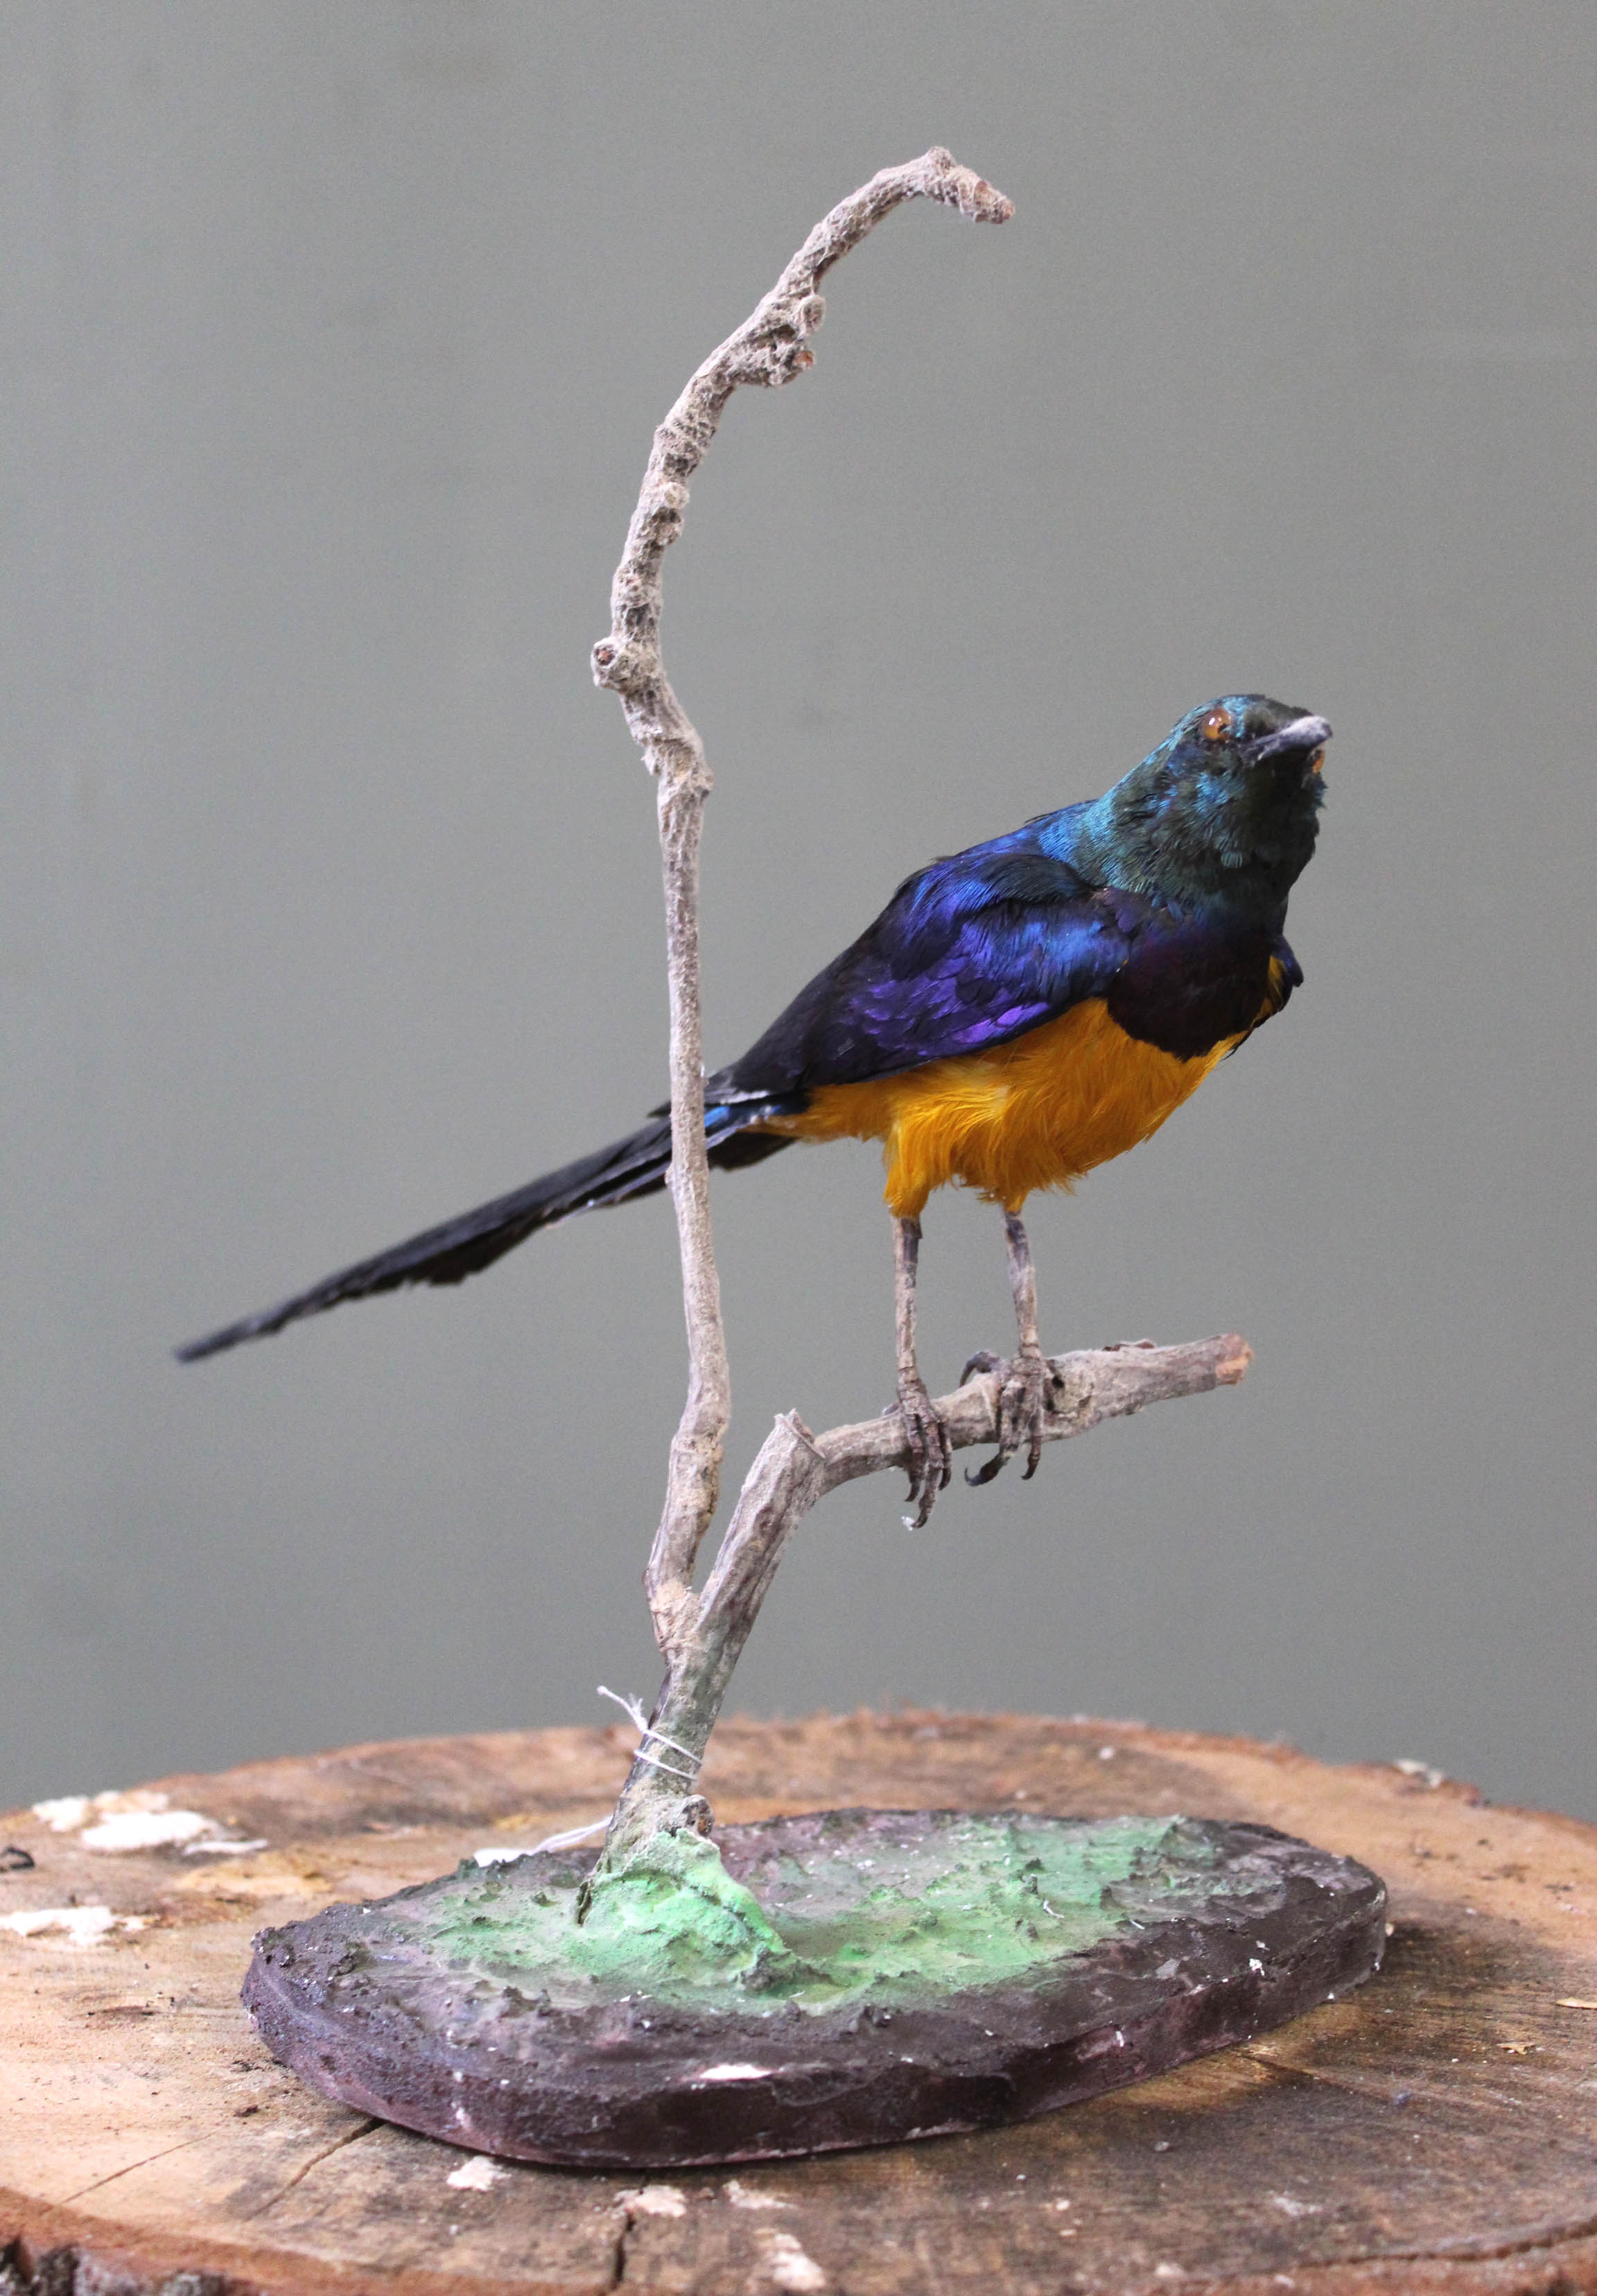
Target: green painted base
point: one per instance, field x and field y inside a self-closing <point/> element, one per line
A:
<point x="979" y="1901"/>
<point x="809" y="1983"/>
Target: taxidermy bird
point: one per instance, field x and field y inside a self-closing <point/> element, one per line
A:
<point x="1019" y="1014"/>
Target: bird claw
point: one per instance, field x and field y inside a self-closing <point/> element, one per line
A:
<point x="930" y="1451"/>
<point x="1025" y="1384"/>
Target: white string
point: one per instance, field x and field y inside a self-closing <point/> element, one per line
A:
<point x="633" y="1710"/>
<point x="564" y="1841"/>
<point x="632" y="1706"/>
<point x="635" y="1707"/>
<point x="497" y="1856"/>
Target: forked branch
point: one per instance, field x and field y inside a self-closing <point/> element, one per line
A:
<point x="769" y="348"/>
<point x="796" y="1469"/>
<point x="700" y="1635"/>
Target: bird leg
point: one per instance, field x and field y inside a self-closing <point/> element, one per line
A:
<point x="930" y="1453"/>
<point x="1024" y="1377"/>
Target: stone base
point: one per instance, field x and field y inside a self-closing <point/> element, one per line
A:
<point x="849" y="1978"/>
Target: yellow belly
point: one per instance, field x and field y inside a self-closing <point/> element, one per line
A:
<point x="1034" y="1113"/>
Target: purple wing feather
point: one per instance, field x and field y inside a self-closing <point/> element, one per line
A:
<point x="970" y="952"/>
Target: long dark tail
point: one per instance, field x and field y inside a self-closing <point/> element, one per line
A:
<point x="629" y="1169"/>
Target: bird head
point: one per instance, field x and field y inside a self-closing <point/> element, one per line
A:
<point x="1223" y="811"/>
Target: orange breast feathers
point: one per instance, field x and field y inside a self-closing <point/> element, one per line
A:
<point x="1037" y="1113"/>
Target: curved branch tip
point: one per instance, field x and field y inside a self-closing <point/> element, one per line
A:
<point x="963" y="188"/>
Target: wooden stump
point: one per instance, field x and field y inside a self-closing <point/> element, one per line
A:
<point x="1436" y="2131"/>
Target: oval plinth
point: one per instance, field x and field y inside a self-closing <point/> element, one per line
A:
<point x="916" y="1973"/>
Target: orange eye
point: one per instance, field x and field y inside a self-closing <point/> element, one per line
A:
<point x="1216" y="725"/>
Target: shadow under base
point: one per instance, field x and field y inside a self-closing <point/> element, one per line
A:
<point x="853" y="1977"/>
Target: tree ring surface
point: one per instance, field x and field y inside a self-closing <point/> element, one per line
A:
<point x="901" y="1974"/>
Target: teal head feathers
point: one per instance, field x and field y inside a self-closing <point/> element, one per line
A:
<point x="1223" y="812"/>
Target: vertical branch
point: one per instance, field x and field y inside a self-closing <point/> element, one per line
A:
<point x="701" y="1637"/>
<point x="795" y="1470"/>
<point x="693" y="1478"/>
<point x="768" y="349"/>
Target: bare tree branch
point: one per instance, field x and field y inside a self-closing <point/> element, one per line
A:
<point x="701" y="1637"/>
<point x="768" y="348"/>
<point x="796" y="1469"/>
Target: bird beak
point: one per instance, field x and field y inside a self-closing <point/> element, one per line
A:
<point x="1303" y="738"/>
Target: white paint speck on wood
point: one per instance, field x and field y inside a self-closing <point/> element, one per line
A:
<point x="84" y="1924"/>
<point x="789" y="2266"/>
<point x="655" y="2201"/>
<point x="475" y="2175"/>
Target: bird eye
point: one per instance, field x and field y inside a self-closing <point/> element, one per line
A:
<point x="1216" y="725"/>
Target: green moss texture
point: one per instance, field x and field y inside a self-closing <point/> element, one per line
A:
<point x="973" y="1901"/>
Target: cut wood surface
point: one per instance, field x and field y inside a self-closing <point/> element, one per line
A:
<point x="1437" y="2131"/>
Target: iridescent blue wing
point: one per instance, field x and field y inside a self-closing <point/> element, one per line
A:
<point x="969" y="952"/>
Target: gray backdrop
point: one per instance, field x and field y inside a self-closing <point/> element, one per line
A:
<point x="335" y="332"/>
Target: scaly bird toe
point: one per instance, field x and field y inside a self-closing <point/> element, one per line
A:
<point x="930" y="1452"/>
<point x="1026" y="1385"/>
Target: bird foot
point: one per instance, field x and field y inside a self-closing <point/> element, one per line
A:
<point x="930" y="1451"/>
<point x="1026" y="1388"/>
